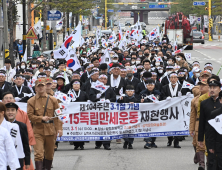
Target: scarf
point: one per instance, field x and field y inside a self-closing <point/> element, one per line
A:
<point x="60" y="87"/>
<point x="112" y="81"/>
<point x="173" y="91"/>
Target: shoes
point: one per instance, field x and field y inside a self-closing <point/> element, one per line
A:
<point x="153" y="145"/>
<point x="76" y="147"/>
<point x="177" y="146"/>
<point x="169" y="143"/>
<point x="38" y="165"/>
<point x="125" y="145"/>
<point x="130" y="146"/>
<point x="147" y="146"/>
<point x="118" y="141"/>
<point x="97" y="147"/>
<point x="82" y="147"/>
<point x="106" y="147"/>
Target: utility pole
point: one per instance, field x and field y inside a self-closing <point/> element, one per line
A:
<point x="106" y="15"/>
<point x="210" y="22"/>
<point x="24" y="24"/>
<point x="5" y="24"/>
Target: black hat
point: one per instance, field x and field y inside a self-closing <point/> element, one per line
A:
<point x="29" y="71"/>
<point x="147" y="74"/>
<point x="62" y="62"/>
<point x="214" y="83"/>
<point x="60" y="76"/>
<point x="8" y="61"/>
<point x="11" y="105"/>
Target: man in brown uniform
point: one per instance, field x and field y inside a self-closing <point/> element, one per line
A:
<point x="43" y="126"/>
<point x="194" y="125"/>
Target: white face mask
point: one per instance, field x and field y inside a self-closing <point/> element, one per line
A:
<point x="115" y="61"/>
<point x="168" y="72"/>
<point x="77" y="55"/>
<point x="140" y="55"/>
<point x="22" y="66"/>
<point x="84" y="46"/>
<point x="137" y="62"/>
<point x="157" y="63"/>
<point x="169" y="62"/>
<point x="178" y="59"/>
<point x="160" y="71"/>
<point x="197" y="74"/>
<point x="132" y="62"/>
<point x="174" y="84"/>
<point x="51" y="67"/>
<point x="34" y="66"/>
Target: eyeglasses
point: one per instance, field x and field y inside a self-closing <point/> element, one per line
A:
<point x="10" y="98"/>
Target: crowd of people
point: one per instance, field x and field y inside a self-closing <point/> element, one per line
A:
<point x="140" y="71"/>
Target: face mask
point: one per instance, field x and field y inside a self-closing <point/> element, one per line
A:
<point x="169" y="62"/>
<point x="137" y="62"/>
<point x="77" y="55"/>
<point x="157" y="63"/>
<point x="178" y="59"/>
<point x="34" y="66"/>
<point x="197" y="74"/>
<point x="51" y="67"/>
<point x="132" y="62"/>
<point x="174" y="84"/>
<point x="129" y="74"/>
<point x="84" y="46"/>
<point x="146" y="54"/>
<point x="139" y="70"/>
<point x="140" y="55"/>
<point x="168" y="72"/>
<point x="27" y="77"/>
<point x="152" y="54"/>
<point x="22" y="66"/>
<point x="115" y="61"/>
<point x="160" y="71"/>
<point x="181" y="78"/>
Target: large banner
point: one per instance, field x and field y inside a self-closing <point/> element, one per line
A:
<point x="109" y="121"/>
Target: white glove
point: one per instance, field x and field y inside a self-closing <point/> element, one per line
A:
<point x="188" y="93"/>
<point x="168" y="98"/>
<point x="17" y="99"/>
<point x="179" y="94"/>
<point x="107" y="101"/>
<point x="98" y="96"/>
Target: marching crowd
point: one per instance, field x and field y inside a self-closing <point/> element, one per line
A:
<point x="151" y="68"/>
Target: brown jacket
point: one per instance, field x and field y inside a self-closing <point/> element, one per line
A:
<point x="196" y="90"/>
<point x="202" y="98"/>
<point x="35" y="110"/>
<point x="194" y="124"/>
<point x="51" y="93"/>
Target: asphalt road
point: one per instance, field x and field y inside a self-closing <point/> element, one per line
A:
<point x="163" y="157"/>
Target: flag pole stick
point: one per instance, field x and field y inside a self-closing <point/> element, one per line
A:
<point x="219" y="70"/>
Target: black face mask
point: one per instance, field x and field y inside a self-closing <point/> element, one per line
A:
<point x="146" y="54"/>
<point x="129" y="75"/>
<point x="139" y="70"/>
<point x="181" y="79"/>
<point x="27" y="77"/>
<point x="152" y="53"/>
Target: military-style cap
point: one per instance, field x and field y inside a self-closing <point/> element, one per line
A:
<point x="11" y="105"/>
<point x="205" y="72"/>
<point x="214" y="83"/>
<point x="40" y="81"/>
<point x="203" y="82"/>
<point x="48" y="80"/>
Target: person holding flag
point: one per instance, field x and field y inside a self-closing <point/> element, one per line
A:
<point x="97" y="94"/>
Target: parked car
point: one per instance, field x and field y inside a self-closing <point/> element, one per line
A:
<point x="127" y="23"/>
<point x="198" y="37"/>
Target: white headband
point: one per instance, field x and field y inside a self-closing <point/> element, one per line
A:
<point x="102" y="76"/>
<point x="54" y="81"/>
<point x="206" y="65"/>
<point x="154" y="73"/>
<point x="169" y="67"/>
<point x="183" y="73"/>
<point x="2" y="74"/>
<point x="76" y="82"/>
<point x="173" y="74"/>
<point x="42" y="76"/>
<point x="129" y="90"/>
<point x="93" y="73"/>
<point x="89" y="66"/>
<point x="196" y="63"/>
